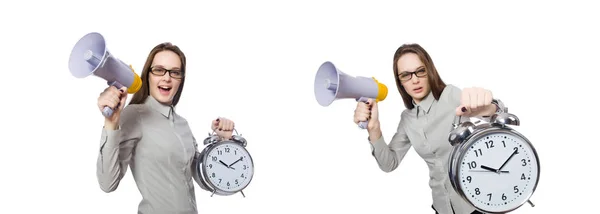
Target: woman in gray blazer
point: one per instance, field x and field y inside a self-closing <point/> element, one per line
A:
<point x="431" y="108"/>
<point x="152" y="139"/>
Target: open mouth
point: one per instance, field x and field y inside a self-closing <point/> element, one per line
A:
<point x="164" y="89"/>
<point x="418" y="89"/>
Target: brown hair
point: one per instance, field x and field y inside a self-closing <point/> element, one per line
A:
<point x="140" y="96"/>
<point x="434" y="80"/>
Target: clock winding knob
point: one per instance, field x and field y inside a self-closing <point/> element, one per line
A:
<point x="461" y="132"/>
<point x="240" y="140"/>
<point x="505" y="119"/>
<point x="211" y="139"/>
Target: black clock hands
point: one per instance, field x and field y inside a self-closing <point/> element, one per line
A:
<point x="228" y="166"/>
<point x="241" y="158"/>
<point x="505" y="162"/>
<point x="499" y="170"/>
<point x="491" y="169"/>
<point x="488" y="168"/>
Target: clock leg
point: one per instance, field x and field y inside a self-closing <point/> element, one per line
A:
<point x="243" y="193"/>
<point x="213" y="193"/>
<point x="531" y="203"/>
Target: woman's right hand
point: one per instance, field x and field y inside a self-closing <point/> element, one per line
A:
<point x="112" y="97"/>
<point x="367" y="111"/>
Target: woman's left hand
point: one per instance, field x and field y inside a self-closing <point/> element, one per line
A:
<point x="223" y="127"/>
<point x="476" y="102"/>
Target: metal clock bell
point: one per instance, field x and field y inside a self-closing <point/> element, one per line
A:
<point x="225" y="166"/>
<point x="492" y="166"/>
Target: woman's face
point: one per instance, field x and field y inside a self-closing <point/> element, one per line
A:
<point x="413" y="76"/>
<point x="165" y="76"/>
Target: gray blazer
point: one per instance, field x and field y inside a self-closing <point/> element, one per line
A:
<point x="159" y="147"/>
<point x="426" y="128"/>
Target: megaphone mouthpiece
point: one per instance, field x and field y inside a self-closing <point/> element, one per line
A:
<point x="91" y="58"/>
<point x="331" y="86"/>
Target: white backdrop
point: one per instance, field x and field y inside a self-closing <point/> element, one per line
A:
<point x="255" y="61"/>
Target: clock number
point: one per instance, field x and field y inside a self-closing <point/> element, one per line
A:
<point x="241" y="176"/>
<point x="516" y="189"/>
<point x="503" y="197"/>
<point x="214" y="158"/>
<point x="244" y="167"/>
<point x="489" y="144"/>
<point x="228" y="183"/>
<point x="524" y="163"/>
<point x="477" y="191"/>
<point x="469" y="179"/>
<point x="523" y="176"/>
<point x="504" y="144"/>
<point x="478" y="154"/>
<point x="213" y="174"/>
<point x="235" y="152"/>
<point x="220" y="180"/>
<point x="219" y="152"/>
<point x="227" y="150"/>
<point x="236" y="181"/>
<point x="516" y="150"/>
<point x="490" y="196"/>
<point x="210" y="166"/>
<point x="472" y="165"/>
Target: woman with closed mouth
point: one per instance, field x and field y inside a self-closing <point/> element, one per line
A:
<point x="431" y="108"/>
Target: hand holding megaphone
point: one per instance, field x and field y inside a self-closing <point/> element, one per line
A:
<point x="114" y="100"/>
<point x="366" y="114"/>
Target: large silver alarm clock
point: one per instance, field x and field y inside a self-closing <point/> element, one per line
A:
<point x="492" y="166"/>
<point x="225" y="166"/>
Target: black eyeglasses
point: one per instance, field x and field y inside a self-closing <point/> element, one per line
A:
<point x="406" y="76"/>
<point x="174" y="73"/>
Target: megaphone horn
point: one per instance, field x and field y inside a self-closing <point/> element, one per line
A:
<point x="90" y="56"/>
<point x="332" y="84"/>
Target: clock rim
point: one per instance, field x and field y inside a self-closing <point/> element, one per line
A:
<point x="201" y="168"/>
<point x="458" y="152"/>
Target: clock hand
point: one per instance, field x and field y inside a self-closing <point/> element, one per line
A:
<point x="489" y="168"/>
<point x="510" y="157"/>
<point x="238" y="160"/>
<point x="225" y="164"/>
<point x="474" y="170"/>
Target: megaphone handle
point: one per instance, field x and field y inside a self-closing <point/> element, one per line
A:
<point x="107" y="111"/>
<point x="363" y="124"/>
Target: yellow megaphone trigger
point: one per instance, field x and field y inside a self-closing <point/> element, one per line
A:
<point x="382" y="91"/>
<point x="137" y="82"/>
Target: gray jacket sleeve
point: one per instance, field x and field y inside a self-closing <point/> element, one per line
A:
<point x="389" y="156"/>
<point x="116" y="147"/>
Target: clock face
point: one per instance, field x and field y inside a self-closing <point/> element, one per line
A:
<point x="499" y="172"/>
<point x="229" y="167"/>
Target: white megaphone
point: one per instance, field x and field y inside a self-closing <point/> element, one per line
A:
<point x="332" y="84"/>
<point x="90" y="56"/>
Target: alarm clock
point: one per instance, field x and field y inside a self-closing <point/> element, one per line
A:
<point x="492" y="166"/>
<point x="225" y="166"/>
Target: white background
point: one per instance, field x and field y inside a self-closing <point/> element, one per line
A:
<point x="255" y="61"/>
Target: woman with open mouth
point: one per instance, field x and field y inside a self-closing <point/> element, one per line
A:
<point x="152" y="139"/>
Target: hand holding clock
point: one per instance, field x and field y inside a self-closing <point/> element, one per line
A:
<point x="475" y="102"/>
<point x="223" y="127"/>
